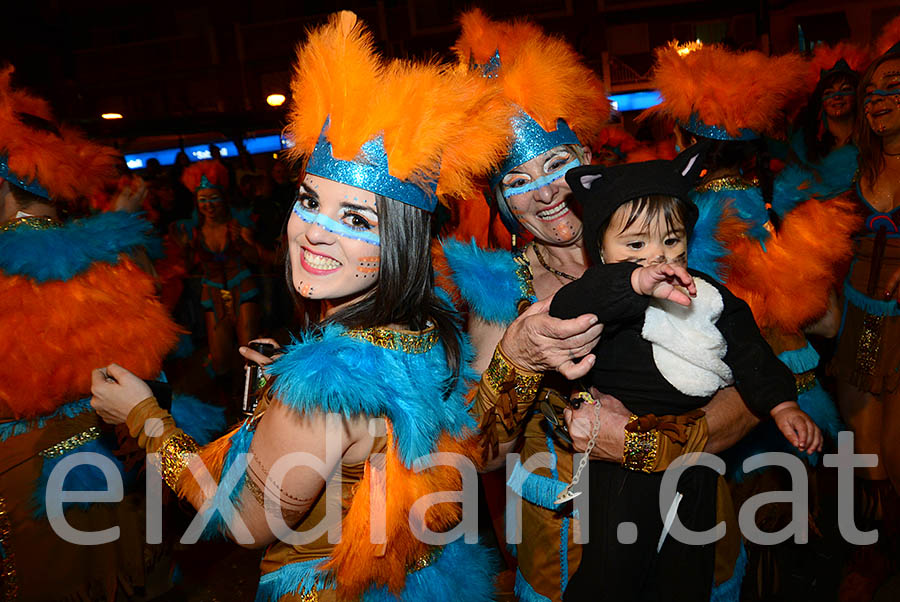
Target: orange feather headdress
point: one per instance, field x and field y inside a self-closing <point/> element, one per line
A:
<point x="827" y="59"/>
<point x="409" y="131"/>
<point x="557" y="98"/>
<point x="38" y="155"/>
<point x="205" y="174"/>
<point x="888" y="38"/>
<point x="717" y="93"/>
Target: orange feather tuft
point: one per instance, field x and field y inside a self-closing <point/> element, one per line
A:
<point x="800" y="261"/>
<point x="68" y="166"/>
<point x="213" y="456"/>
<point x="727" y="89"/>
<point x="66" y="340"/>
<point x="824" y="57"/>
<point x="215" y="172"/>
<point x="540" y="74"/>
<point x="438" y="124"/>
<point x="356" y="561"/>
<point x="890" y="35"/>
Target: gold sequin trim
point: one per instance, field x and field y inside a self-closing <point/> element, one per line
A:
<point x="501" y="375"/>
<point x="425" y="560"/>
<point x="34" y="222"/>
<point x="806" y="381"/>
<point x="869" y="345"/>
<point x="640" y="449"/>
<point x="727" y="183"/>
<point x="398" y="340"/>
<point x="67" y="445"/>
<point x="526" y="278"/>
<point x="174" y="456"/>
<point x="9" y="583"/>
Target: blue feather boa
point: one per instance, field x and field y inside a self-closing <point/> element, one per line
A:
<point x="64" y="252"/>
<point x="331" y="372"/>
<point x="705" y="252"/>
<point x="202" y="421"/>
<point x="461" y="572"/>
<point x="487" y="280"/>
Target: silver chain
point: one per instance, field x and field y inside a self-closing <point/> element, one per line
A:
<point x="566" y="494"/>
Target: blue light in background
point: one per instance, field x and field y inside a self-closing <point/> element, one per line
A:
<point x="635" y="101"/>
<point x="254" y="146"/>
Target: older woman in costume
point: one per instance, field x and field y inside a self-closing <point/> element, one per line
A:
<point x="380" y="383"/>
<point x="525" y="356"/>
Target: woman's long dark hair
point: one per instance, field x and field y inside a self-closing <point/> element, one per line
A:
<point x="810" y="118"/>
<point x="871" y="157"/>
<point x="405" y="292"/>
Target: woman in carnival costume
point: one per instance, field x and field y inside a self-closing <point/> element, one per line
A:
<point x="826" y="122"/>
<point x="71" y="297"/>
<point x="219" y="241"/>
<point x="380" y="382"/>
<point x="867" y="362"/>
<point x="776" y="257"/>
<point x="519" y="347"/>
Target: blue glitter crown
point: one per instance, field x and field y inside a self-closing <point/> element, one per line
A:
<point x="370" y="172"/>
<point x="698" y="127"/>
<point x="34" y="187"/>
<point x="531" y="140"/>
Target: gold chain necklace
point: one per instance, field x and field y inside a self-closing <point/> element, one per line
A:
<point x="543" y="263"/>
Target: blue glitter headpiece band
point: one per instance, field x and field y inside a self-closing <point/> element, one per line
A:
<point x="34" y="187"/>
<point x="372" y="175"/>
<point x="696" y="126"/>
<point x="841" y="66"/>
<point x="531" y="140"/>
<point x="205" y="184"/>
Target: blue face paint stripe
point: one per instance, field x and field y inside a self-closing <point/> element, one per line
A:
<point x="542" y="181"/>
<point x="839" y="94"/>
<point x="335" y="227"/>
<point x="869" y="95"/>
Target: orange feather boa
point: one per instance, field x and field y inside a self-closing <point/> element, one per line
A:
<point x="68" y="328"/>
<point x="786" y="284"/>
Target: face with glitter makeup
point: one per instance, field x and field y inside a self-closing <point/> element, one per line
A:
<point x="538" y="196"/>
<point x="647" y="241"/>
<point x="333" y="241"/>
<point x="838" y="99"/>
<point x="882" y="101"/>
<point x="210" y="203"/>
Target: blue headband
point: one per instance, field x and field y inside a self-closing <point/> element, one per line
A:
<point x="838" y="94"/>
<point x="34" y="187"/>
<point x="335" y="227"/>
<point x="531" y="140"/>
<point x="205" y="184"/>
<point x="372" y="175"/>
<point x="696" y="126"/>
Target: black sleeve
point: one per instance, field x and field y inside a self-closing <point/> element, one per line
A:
<point x="762" y="380"/>
<point x="605" y="291"/>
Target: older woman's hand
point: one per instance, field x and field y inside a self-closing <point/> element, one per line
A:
<point x="115" y="393"/>
<point x="613" y="417"/>
<point x="538" y="342"/>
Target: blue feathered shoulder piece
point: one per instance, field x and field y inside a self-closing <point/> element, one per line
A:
<point x="334" y="371"/>
<point x="243" y="216"/>
<point x="64" y="252"/>
<point x="705" y="251"/>
<point x="490" y="281"/>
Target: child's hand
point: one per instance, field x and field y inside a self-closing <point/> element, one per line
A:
<point x="797" y="427"/>
<point x="662" y="281"/>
